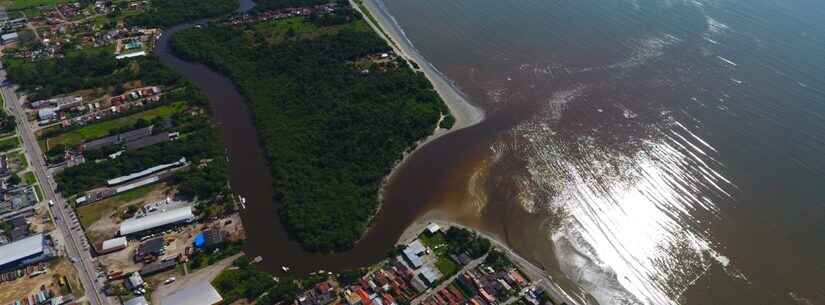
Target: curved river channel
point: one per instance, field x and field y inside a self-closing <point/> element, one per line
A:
<point x="250" y="178"/>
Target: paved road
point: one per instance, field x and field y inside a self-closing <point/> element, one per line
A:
<point x="76" y="246"/>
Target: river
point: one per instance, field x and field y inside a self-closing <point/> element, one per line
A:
<point x="642" y="152"/>
<point x="250" y="178"/>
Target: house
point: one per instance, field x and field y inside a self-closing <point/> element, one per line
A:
<point x="158" y="267"/>
<point x="352" y="298"/>
<point x="413" y="253"/>
<point x="151" y="248"/>
<point x="112" y="245"/>
<point x="430" y="275"/>
<point x="433" y="228"/>
<point x="47" y="114"/>
<point x="134" y="281"/>
<point x="10" y="38"/>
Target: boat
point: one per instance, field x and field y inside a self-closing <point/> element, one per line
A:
<point x="243" y="202"/>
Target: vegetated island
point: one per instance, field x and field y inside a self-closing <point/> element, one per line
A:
<point x="334" y="106"/>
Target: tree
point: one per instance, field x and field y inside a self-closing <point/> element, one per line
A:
<point x="330" y="132"/>
<point x="14" y="180"/>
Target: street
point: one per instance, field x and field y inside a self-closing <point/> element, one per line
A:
<point x="76" y="247"/>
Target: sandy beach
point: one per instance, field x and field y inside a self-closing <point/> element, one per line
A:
<point x="465" y="113"/>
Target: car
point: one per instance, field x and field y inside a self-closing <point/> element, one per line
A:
<point x="169" y="280"/>
<point x="51" y="203"/>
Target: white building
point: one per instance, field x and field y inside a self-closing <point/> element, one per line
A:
<point x="201" y="293"/>
<point x="157" y="220"/>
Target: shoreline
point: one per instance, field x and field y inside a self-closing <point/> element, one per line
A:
<point x="464" y="113"/>
<point x="534" y="272"/>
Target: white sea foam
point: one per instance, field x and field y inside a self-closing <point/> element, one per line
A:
<point x="727" y="61"/>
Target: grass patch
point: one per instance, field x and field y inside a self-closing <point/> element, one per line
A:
<point x="24" y="4"/>
<point x="29" y="178"/>
<point x="24" y="162"/>
<point x="9" y="144"/>
<point x="91" y="213"/>
<point x="102" y="129"/>
<point x="39" y="192"/>
<point x="446" y="266"/>
<point x="432" y="241"/>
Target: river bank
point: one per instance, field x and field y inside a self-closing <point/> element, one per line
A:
<point x="463" y="112"/>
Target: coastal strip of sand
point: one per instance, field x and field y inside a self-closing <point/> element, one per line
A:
<point x="465" y="114"/>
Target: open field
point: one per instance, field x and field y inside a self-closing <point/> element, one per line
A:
<point x="9" y="144"/>
<point x="102" y="129"/>
<point x="29" y="178"/>
<point x="29" y="7"/>
<point x="11" y="291"/>
<point x="90" y="213"/>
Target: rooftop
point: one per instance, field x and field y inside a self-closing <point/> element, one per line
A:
<point x="135" y="225"/>
<point x="20" y="249"/>
<point x="137" y="301"/>
<point x="201" y="293"/>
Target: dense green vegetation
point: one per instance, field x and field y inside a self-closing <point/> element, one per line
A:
<point x="351" y="276"/>
<point x="200" y="145"/>
<point x="330" y="132"/>
<point x="113" y="126"/>
<point x="278" y="4"/>
<point x="7" y="123"/>
<point x="246" y="282"/>
<point x="462" y="240"/>
<point x="498" y="260"/>
<point x="202" y="259"/>
<point x="9" y="143"/>
<point x="170" y="12"/>
<point x="84" y="70"/>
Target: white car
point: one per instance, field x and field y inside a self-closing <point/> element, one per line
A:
<point x="51" y="203"/>
<point x="169" y="280"/>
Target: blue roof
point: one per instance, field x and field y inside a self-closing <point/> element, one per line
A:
<point x="200" y="240"/>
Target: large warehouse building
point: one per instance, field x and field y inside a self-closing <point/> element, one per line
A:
<point x="24" y="252"/>
<point x="156" y="221"/>
<point x="201" y="293"/>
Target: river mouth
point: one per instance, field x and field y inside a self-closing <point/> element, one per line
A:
<point x="250" y="178"/>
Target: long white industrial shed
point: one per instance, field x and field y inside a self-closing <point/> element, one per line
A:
<point x="144" y="172"/>
<point x="155" y="220"/>
<point x="201" y="293"/>
<point x="24" y="248"/>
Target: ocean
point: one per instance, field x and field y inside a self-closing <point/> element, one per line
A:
<point x="643" y="152"/>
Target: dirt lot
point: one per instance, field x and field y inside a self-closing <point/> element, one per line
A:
<point x="22" y="287"/>
<point x="41" y="221"/>
<point x="176" y="243"/>
<point x="100" y="219"/>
